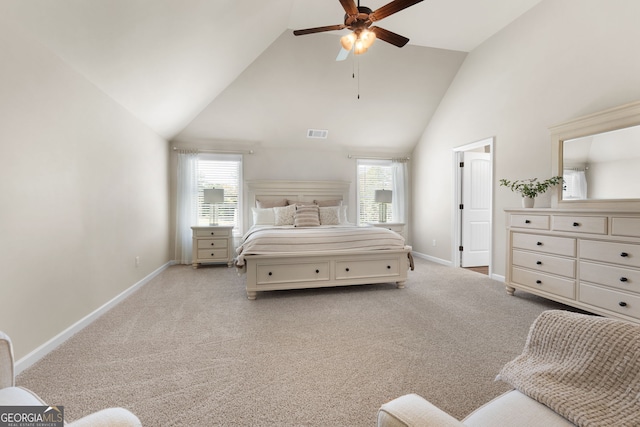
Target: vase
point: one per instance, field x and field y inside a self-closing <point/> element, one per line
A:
<point x="528" y="202"/>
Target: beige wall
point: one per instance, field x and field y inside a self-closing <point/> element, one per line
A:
<point x="563" y="59"/>
<point x="84" y="190"/>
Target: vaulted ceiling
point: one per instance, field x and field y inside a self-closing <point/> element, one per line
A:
<point x="230" y="72"/>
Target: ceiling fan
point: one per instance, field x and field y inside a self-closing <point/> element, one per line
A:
<point x="359" y="19"/>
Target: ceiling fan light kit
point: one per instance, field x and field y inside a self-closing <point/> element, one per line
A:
<point x="358" y="19"/>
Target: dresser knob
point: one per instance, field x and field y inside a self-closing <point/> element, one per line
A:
<point x="212" y="254"/>
<point x="539" y="262"/>
<point x="213" y="244"/>
<point x="347" y="269"/>
<point x="622" y="304"/>
<point x="526" y="221"/>
<point x="576" y="224"/>
<point x="539" y="282"/>
<point x="539" y="243"/>
<point x="624" y="254"/>
<point x="389" y="267"/>
<point x="317" y="271"/>
<point x="270" y="274"/>
<point x="213" y="233"/>
<point x="623" y="279"/>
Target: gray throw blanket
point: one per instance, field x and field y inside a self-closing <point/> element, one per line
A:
<point x="585" y="368"/>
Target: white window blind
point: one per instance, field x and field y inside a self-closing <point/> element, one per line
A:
<point x="220" y="171"/>
<point x="373" y="175"/>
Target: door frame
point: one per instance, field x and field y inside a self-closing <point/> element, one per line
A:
<point x="456" y="232"/>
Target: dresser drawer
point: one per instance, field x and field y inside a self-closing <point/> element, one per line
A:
<point x="618" y="302"/>
<point x="618" y="253"/>
<point x="283" y="273"/>
<point x="363" y="269"/>
<point x="536" y="222"/>
<point x="621" y="226"/>
<point x="546" y="244"/>
<point x="580" y="224"/>
<point x="545" y="263"/>
<point x="610" y="275"/>
<point x="213" y="254"/>
<point x="212" y="243"/>
<point x="212" y="233"/>
<point x="544" y="282"/>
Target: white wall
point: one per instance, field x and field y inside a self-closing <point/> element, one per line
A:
<point x="84" y="190"/>
<point x="562" y="59"/>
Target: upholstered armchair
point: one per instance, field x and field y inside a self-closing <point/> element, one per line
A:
<point x="10" y="395"/>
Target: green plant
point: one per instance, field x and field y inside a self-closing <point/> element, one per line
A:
<point x="531" y="187"/>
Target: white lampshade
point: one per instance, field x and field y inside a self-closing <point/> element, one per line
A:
<point x="213" y="195"/>
<point x="383" y="196"/>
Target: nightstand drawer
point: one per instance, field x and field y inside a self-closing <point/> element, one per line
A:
<point x="545" y="263"/>
<point x="547" y="244"/>
<point x="213" y="243"/>
<point x="580" y="224"/>
<point x="213" y="254"/>
<point x="212" y="233"/>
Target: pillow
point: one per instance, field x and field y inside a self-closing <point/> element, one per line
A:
<point x="325" y="203"/>
<point x="284" y="214"/>
<point x="344" y="219"/>
<point x="263" y="204"/>
<point x="263" y="216"/>
<point x="330" y="215"/>
<point x="306" y="216"/>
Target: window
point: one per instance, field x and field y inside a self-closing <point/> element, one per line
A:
<point x="220" y="171"/>
<point x="373" y="175"/>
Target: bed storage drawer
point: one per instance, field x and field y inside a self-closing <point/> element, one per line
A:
<point x="299" y="272"/>
<point x="369" y="268"/>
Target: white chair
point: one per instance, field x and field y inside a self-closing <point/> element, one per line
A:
<point x="10" y="395"/>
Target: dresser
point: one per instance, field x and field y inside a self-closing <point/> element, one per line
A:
<point x="589" y="259"/>
<point x="212" y="244"/>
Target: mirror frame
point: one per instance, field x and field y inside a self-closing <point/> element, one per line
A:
<point x="604" y="121"/>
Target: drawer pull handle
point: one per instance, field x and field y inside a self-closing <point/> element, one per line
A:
<point x="576" y="224"/>
<point x="270" y="274"/>
<point x="623" y="279"/>
<point x="622" y="304"/>
<point x="212" y="254"/>
<point x="539" y="262"/>
<point x="539" y="282"/>
<point x="389" y="267"/>
<point x="213" y="233"/>
<point x="347" y="269"/>
<point x="526" y="221"/>
<point x="213" y="244"/>
<point x="317" y="271"/>
<point x="624" y="254"/>
<point x="539" y="243"/>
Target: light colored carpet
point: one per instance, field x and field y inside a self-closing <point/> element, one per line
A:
<point x="188" y="349"/>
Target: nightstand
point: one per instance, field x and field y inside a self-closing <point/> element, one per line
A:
<point x="212" y="244"/>
<point x="398" y="227"/>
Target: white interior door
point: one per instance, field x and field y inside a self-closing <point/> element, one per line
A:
<point x="476" y="211"/>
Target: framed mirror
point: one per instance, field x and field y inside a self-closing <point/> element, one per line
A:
<point x="598" y="157"/>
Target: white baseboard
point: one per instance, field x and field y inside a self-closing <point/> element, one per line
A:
<point x="432" y="259"/>
<point x="498" y="277"/>
<point x="54" y="342"/>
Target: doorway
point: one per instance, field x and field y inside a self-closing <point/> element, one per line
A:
<point x="473" y="166"/>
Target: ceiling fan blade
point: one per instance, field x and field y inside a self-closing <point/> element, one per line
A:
<point x="343" y="54"/>
<point x="319" y="29"/>
<point x="391" y="8"/>
<point x="389" y="37"/>
<point x="349" y="7"/>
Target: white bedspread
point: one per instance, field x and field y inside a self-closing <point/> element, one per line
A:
<point x="288" y="239"/>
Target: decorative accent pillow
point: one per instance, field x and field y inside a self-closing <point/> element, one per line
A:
<point x="344" y="219"/>
<point x="284" y="215"/>
<point x="330" y="215"/>
<point x="307" y="216"/>
<point x="325" y="203"/>
<point x="263" y="216"/>
<point x="263" y="204"/>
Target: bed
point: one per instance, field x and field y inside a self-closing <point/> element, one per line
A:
<point x="276" y="254"/>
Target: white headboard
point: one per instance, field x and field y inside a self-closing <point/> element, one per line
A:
<point x="301" y="191"/>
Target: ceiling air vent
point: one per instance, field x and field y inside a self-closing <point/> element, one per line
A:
<point x="317" y="133"/>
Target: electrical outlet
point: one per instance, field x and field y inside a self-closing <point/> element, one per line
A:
<point x="137" y="261"/>
<point x="434" y="242"/>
